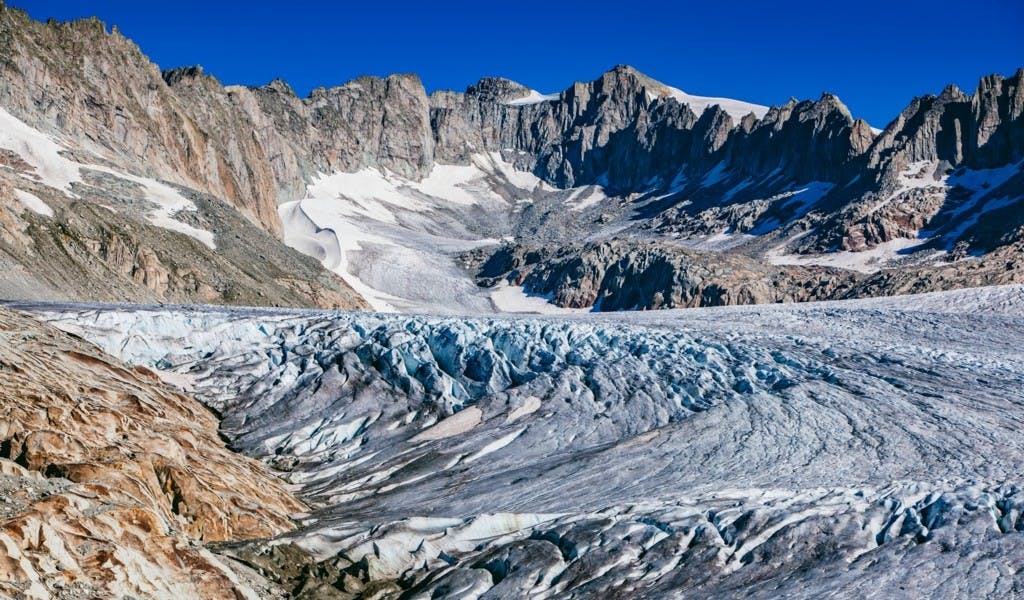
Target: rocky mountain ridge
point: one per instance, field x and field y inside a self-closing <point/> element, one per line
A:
<point x="803" y="183"/>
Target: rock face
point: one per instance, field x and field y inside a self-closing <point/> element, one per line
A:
<point x="619" y="130"/>
<point x="118" y="475"/>
<point x="629" y="275"/>
<point x="185" y="127"/>
<point x="997" y="124"/>
<point x="56" y="77"/>
<point x="256" y="146"/>
<point x="632" y="275"/>
<point x="923" y="165"/>
<point x="369" y="122"/>
<point x="92" y="540"/>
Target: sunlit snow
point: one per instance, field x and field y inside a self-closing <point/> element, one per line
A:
<point x="534" y="97"/>
<point x="58" y="172"/>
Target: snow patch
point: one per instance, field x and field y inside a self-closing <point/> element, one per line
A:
<point x="584" y="197"/>
<point x="331" y="242"/>
<point x="56" y="171"/>
<point x="916" y="176"/>
<point x="33" y="203"/>
<point x="719" y="242"/>
<point x="737" y="109"/>
<point x="38" y="150"/>
<point x="534" y="97"/>
<point x="865" y="261"/>
<point x="514" y="299"/>
<point x="496" y="445"/>
<point x="393" y="239"/>
<point x="457" y="424"/>
<point x="530" y="406"/>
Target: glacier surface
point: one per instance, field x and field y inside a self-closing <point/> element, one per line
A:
<point x="867" y="447"/>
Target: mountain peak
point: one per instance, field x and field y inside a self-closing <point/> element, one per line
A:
<point x="623" y="69"/>
<point x="627" y="72"/>
<point x="952" y="93"/>
<point x="179" y="74"/>
<point x="281" y="86"/>
<point x="497" y="89"/>
<point x="656" y="90"/>
<point x="830" y="102"/>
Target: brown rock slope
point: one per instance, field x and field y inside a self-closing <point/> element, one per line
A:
<point x="109" y="480"/>
<point x="87" y="252"/>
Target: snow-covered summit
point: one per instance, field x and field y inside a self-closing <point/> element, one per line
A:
<point x="737" y="109"/>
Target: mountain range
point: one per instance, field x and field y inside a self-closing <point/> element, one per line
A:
<point x="122" y="182"/>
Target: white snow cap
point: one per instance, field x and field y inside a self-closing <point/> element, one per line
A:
<point x="534" y="97"/>
<point x="737" y="109"/>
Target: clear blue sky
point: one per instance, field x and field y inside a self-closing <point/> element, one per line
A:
<point x="875" y="55"/>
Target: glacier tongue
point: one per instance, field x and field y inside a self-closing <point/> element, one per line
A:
<point x="790" y="451"/>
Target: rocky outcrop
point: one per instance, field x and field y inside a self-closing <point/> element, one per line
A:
<point x="250" y="146"/>
<point x="997" y="108"/>
<point x="917" y="176"/>
<point x="954" y="129"/>
<point x="374" y="122"/>
<point x="617" y="130"/>
<point x="636" y="275"/>
<point x="57" y="77"/>
<point x="109" y="478"/>
<point x="253" y="148"/>
<point x="1001" y="267"/>
<point x="256" y="147"/>
<point x="931" y="129"/>
<point x="621" y="130"/>
<point x="804" y="141"/>
<point x="91" y="540"/>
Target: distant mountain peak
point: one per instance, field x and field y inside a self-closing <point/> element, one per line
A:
<point x="656" y="90"/>
<point x="497" y="89"/>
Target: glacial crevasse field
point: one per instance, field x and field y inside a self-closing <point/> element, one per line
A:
<point x="868" y="447"/>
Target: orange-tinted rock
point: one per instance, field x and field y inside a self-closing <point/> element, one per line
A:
<point x="114" y="477"/>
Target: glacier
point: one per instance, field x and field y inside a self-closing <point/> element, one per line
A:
<point x="866" y="447"/>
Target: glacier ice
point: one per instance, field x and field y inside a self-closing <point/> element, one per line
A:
<point x="864" y="447"/>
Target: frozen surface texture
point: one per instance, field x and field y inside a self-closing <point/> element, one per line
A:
<point x="855" y="448"/>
